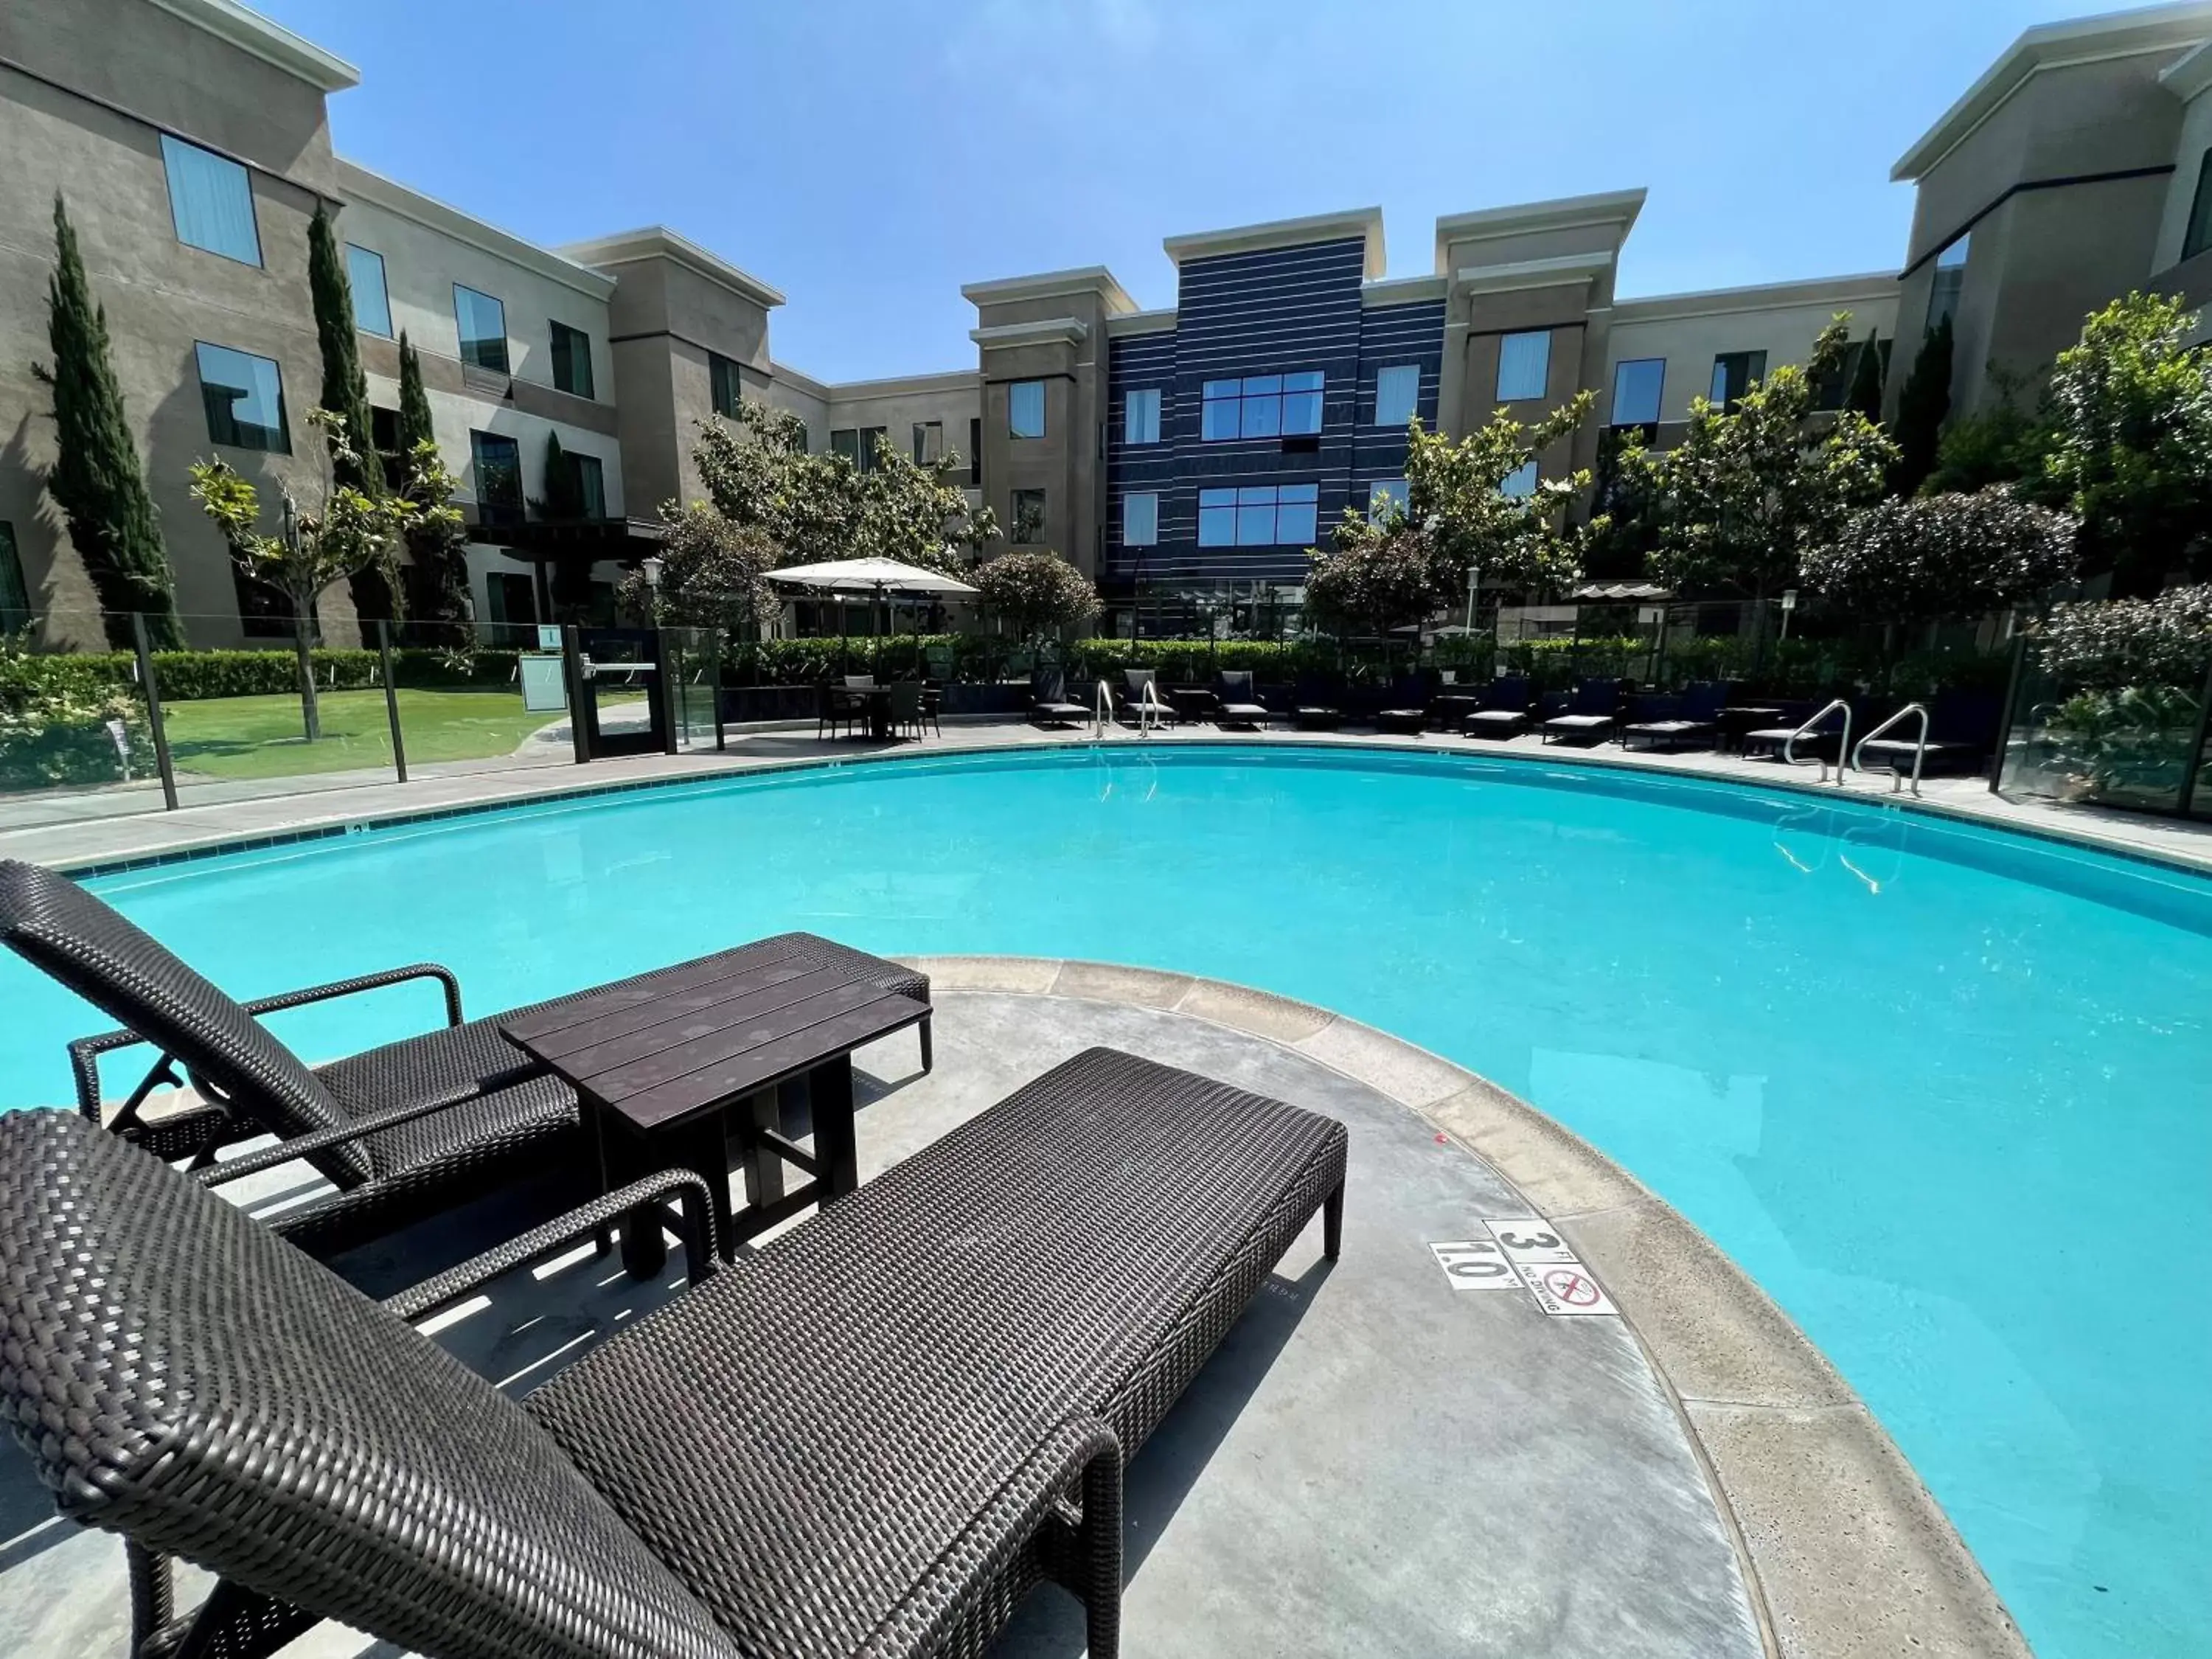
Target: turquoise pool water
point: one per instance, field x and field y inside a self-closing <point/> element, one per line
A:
<point x="1946" y="1095"/>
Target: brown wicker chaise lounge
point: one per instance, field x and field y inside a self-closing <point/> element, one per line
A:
<point x="872" y="1438"/>
<point x="403" y="1131"/>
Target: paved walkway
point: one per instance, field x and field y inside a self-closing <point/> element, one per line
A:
<point x="29" y="828"/>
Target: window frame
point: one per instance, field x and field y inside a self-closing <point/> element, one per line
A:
<point x="1017" y="392"/>
<point x="1380" y="489"/>
<point x="1014" y="523"/>
<point x="2197" y="229"/>
<point x="1754" y="364"/>
<point x="1413" y="401"/>
<point x="1136" y="433"/>
<point x="1505" y="343"/>
<point x="383" y="289"/>
<point x="560" y="333"/>
<point x="1153" y="537"/>
<point x="505" y="364"/>
<point x="171" y="145"/>
<point x="1245" y="503"/>
<point x="1528" y="470"/>
<point x="1948" y="279"/>
<point x="589" y="480"/>
<point x="1262" y="403"/>
<point x="15" y="611"/>
<point x="284" y="427"/>
<point x="725" y="387"/>
<point x="922" y="429"/>
<point x="974" y="452"/>
<point x="499" y="510"/>
<point x="1658" y="391"/>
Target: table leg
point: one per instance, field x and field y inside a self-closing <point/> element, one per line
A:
<point x="836" y="1148"/>
<point x="704" y="1147"/>
<point x="764" y="1167"/>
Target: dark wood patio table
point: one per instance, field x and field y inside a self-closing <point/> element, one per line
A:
<point x="659" y="1068"/>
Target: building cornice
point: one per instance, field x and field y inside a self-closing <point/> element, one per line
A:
<point x="659" y="242"/>
<point x="2189" y="77"/>
<point x="1516" y="276"/>
<point x="1365" y="223"/>
<point x="357" y="183"/>
<point x="905" y="386"/>
<point x="1045" y="330"/>
<point x="1053" y="285"/>
<point x="1142" y="322"/>
<point x="1612" y="207"/>
<point x="785" y="374"/>
<point x="271" y="42"/>
<point x="2048" y="46"/>
<point x="1870" y="287"/>
<point x="1404" y="290"/>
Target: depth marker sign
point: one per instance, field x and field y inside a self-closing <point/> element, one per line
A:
<point x="1565" y="1290"/>
<point x="1525" y="1253"/>
<point x="1475" y="1264"/>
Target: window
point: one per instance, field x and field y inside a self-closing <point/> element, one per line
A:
<point x="1140" y="518"/>
<point x="264" y="612"/>
<point x="1140" y="416"/>
<point x="1735" y="373"/>
<point x="975" y="449"/>
<point x="1026" y="515"/>
<point x="1262" y="406"/>
<point x="1397" y="394"/>
<point x="590" y="477"/>
<point x="724" y="388"/>
<point x="1951" y="275"/>
<point x="1637" y="384"/>
<point x="244" y="399"/>
<point x="1268" y="515"/>
<point x="2198" y="236"/>
<point x="1524" y="366"/>
<point x="383" y="439"/>
<point x="1521" y="482"/>
<point x="511" y="608"/>
<point x="14" y="595"/>
<point x="929" y="442"/>
<point x="499" y="477"/>
<point x="1025" y="409"/>
<point x="1386" y="496"/>
<point x="483" y="322"/>
<point x="372" y="301"/>
<point x="210" y="201"/>
<point x="857" y="444"/>
<point x="572" y="360"/>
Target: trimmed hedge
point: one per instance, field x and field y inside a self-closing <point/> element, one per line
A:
<point x="193" y="675"/>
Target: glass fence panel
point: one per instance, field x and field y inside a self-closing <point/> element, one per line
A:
<point x="2107" y="745"/>
<point x="76" y="740"/>
<point x="469" y="705"/>
<point x="248" y="720"/>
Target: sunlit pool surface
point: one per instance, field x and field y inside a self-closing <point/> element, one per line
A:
<point x="1944" y="1093"/>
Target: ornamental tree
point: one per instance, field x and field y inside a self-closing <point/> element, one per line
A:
<point x="1038" y="593"/>
<point x="1750" y="491"/>
<point x="96" y="480"/>
<point x="1921" y="407"/>
<point x="1455" y="495"/>
<point x="346" y="532"/>
<point x="1937" y="558"/>
<point x="714" y="573"/>
<point x="2131" y="441"/>
<point x="1373" y="583"/>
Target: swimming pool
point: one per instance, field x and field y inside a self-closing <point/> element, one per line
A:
<point x="1946" y="1093"/>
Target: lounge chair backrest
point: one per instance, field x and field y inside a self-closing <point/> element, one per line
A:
<point x="1597" y="697"/>
<point x="1138" y="679"/>
<point x="859" y="682"/>
<point x="1047" y="686"/>
<point x="50" y="920"/>
<point x="181" y="1375"/>
<point x="1704" y="700"/>
<point x="1237" y="685"/>
<point x="1511" y="692"/>
<point x="906" y="700"/>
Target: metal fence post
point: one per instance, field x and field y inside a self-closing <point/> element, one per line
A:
<point x="571" y="648"/>
<point x="2011" y="710"/>
<point x="153" y="712"/>
<point x="716" y="640"/>
<point x="391" y="699"/>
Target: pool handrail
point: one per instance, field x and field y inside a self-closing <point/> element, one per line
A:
<point x="1919" y="748"/>
<point x="1842" y="749"/>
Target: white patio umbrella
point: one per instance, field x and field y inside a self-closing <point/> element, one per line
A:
<point x="880" y="578"/>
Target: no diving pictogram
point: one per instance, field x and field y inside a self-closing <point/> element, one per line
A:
<point x="1565" y="1288"/>
<point x="1572" y="1286"/>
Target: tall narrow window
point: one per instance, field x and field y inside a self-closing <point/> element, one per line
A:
<point x="498" y="460"/>
<point x="1025" y="410"/>
<point x="1522" y="481"/>
<point x="724" y="388"/>
<point x="1397" y="394"/>
<point x="871" y="443"/>
<point x="1386" y="496"/>
<point x="483" y="323"/>
<point x="572" y="360"/>
<point x="15" y="592"/>
<point x="210" y="201"/>
<point x="1950" y="278"/>
<point x="929" y="442"/>
<point x="1140" y="416"/>
<point x="245" y="398"/>
<point x="372" y="301"/>
<point x="1637" y="384"/>
<point x="590" y="477"/>
<point x="975" y="450"/>
<point x="1735" y="373"/>
<point x="846" y="440"/>
<point x="1140" y="518"/>
<point x="2198" y="236"/>
<point x="1025" y="516"/>
<point x="1524" y="366"/>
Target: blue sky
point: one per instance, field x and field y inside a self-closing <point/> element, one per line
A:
<point x="868" y="159"/>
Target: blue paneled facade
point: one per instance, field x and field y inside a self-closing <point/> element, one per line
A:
<point x="1250" y="317"/>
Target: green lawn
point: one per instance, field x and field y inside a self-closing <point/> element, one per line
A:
<point x="261" y="737"/>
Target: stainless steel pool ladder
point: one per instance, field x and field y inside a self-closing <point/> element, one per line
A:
<point x="1102" y="711"/>
<point x="1842" y="749"/>
<point x="1919" y="748"/>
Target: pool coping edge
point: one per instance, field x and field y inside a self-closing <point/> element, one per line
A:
<point x="1858" y="1558"/>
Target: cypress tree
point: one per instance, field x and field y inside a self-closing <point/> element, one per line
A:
<point x="437" y="554"/>
<point x="96" y="479"/>
<point x="414" y="426"/>
<point x="1922" y="408"/>
<point x="1865" y="395"/>
<point x="376" y="594"/>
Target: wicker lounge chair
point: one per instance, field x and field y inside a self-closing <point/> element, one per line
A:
<point x="1141" y="702"/>
<point x="1502" y="712"/>
<point x="1314" y="705"/>
<point x="1406" y="711"/>
<point x="1694" y="716"/>
<point x="873" y="1437"/>
<point x="1048" y="700"/>
<point x="403" y="1131"/>
<point x="1591" y="714"/>
<point x="1235" y="704"/>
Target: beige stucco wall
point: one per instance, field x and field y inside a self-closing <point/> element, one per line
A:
<point x="1689" y="335"/>
<point x="954" y="401"/>
<point x="2193" y="145"/>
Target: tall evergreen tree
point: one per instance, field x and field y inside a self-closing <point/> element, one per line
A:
<point x="96" y="479"/>
<point x="375" y="587"/>
<point x="435" y="548"/>
<point x="1865" y="395"/>
<point x="1922" y="408"/>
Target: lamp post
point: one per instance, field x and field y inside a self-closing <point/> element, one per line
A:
<point x="1474" y="587"/>
<point x="1789" y="605"/>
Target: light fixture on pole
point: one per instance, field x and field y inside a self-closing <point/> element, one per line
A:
<point x="651" y="566"/>
<point x="1474" y="587"/>
<point x="1789" y="605"/>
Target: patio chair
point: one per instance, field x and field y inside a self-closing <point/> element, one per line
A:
<point x="1406" y="711"/>
<point x="405" y="1131"/>
<point x="875" y="1436"/>
<point x="1962" y="730"/>
<point x="1502" y="711"/>
<point x="907" y="709"/>
<point x="1235" y="704"/>
<point x="1048" y="700"/>
<point x="1694" y="715"/>
<point x="836" y="706"/>
<point x="1590" y="715"/>
<point x="1823" y="743"/>
<point x="1314" y="705"/>
<point x="1141" y="699"/>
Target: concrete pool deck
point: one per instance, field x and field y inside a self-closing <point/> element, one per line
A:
<point x="1375" y="1463"/>
<point x="31" y="829"/>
